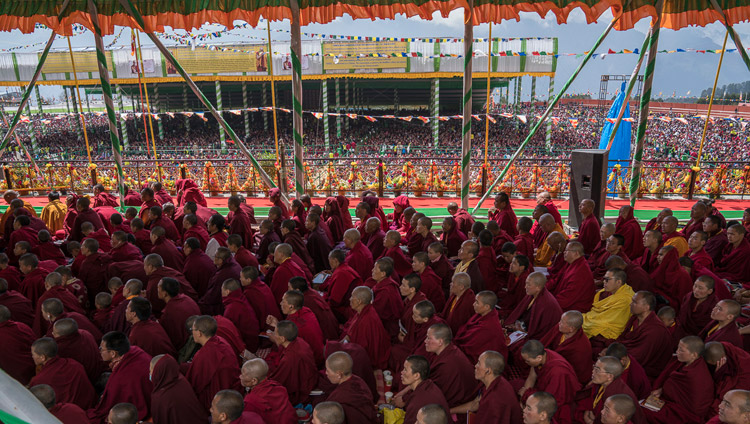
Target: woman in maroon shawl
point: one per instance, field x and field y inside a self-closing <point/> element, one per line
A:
<point x="452" y="238"/>
<point x="274" y="195"/>
<point x="173" y="399"/>
<point x="346" y="217"/>
<point x="299" y="215"/>
<point x="188" y="191"/>
<point x="375" y="210"/>
<point x="669" y="279"/>
<point x="398" y="223"/>
<point x="334" y="220"/>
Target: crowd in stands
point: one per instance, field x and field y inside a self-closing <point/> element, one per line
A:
<point x="666" y="139"/>
<point x="174" y="313"/>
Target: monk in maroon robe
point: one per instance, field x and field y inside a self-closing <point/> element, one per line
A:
<point x="569" y="340"/>
<point x="538" y="311"/>
<point x="629" y="228"/>
<point x="734" y="265"/>
<point x="66" y="376"/>
<point x="550" y="372"/>
<point x="606" y="382"/>
<point x="717" y="238"/>
<point x="166" y="249"/>
<point x="173" y="399"/>
<point x="199" y="268"/>
<point x="452" y="237"/>
<point x="329" y="326"/>
<point x="422" y="317"/>
<point x="129" y="381"/>
<point x="240" y="222"/>
<point x="669" y="279"/>
<point x="155" y="269"/>
<point x="338" y="287"/>
<point x="574" y="290"/>
<point x="387" y="302"/>
<point x="18" y="305"/>
<point x="295" y="369"/>
<point x="458" y="309"/>
<point x="359" y="257"/>
<point x="487" y="261"/>
<point x="450" y="369"/>
<point x="366" y="329"/>
<point x="285" y="270"/>
<point x="79" y="345"/>
<point x="238" y="310"/>
<point x="147" y="334"/>
<point x="723" y="326"/>
<point x="85" y="214"/>
<point x="588" y="231"/>
<point x="677" y="384"/>
<point x="515" y="288"/>
<point x="697" y="305"/>
<point x="291" y="237"/>
<point x="122" y="250"/>
<point x="419" y="391"/>
<point x="193" y="229"/>
<point x="177" y="310"/>
<point x="226" y="268"/>
<point x="67" y="413"/>
<point x="274" y="195"/>
<point x="503" y="214"/>
<point x="102" y="198"/>
<point x="32" y="285"/>
<point x="398" y="218"/>
<point x="17" y="339"/>
<point x="215" y="366"/>
<point x="464" y="221"/>
<point x="645" y="336"/>
<point x="441" y="265"/>
<point x="730" y="370"/>
<point x="483" y="330"/>
<point x="334" y="220"/>
<point x="142" y="236"/>
<point x="53" y="284"/>
<point x="431" y="282"/>
<point x="375" y="237"/>
<point x="350" y="391"/>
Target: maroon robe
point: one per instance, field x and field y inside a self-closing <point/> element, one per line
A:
<point x="694" y="316"/>
<point x="172" y="257"/>
<point x="425" y="394"/>
<point x="231" y="335"/>
<point x="616" y="387"/>
<point x="245" y="258"/>
<point x="296" y="370"/>
<point x="163" y="197"/>
<point x="32" y="285"/>
<point x="14" y="356"/>
<point x="458" y="311"/>
<point x="129" y="382"/>
<point x="401" y="264"/>
<point x="414" y="242"/>
<point x="293" y="239"/>
<point x="575" y="288"/>
<point x="506" y="219"/>
<point x="281" y="276"/>
<point x="515" y="291"/>
<point x="104" y="199"/>
<point x="94" y="272"/>
<point x="265" y="241"/>
<point x="629" y="228"/>
<point x="211" y="302"/>
<point x="126" y="252"/>
<point x="692" y="226"/>
<point x="68" y="413"/>
<point x="69" y="301"/>
<point x="356" y="399"/>
<point x="198" y="232"/>
<point x="143" y="241"/>
<point x="214" y="367"/>
<point x="538" y="317"/>
<point x="366" y="329"/>
<point x="69" y="380"/>
<point x="49" y="251"/>
<point x="360" y="259"/>
<point x="198" y="270"/>
<point x="556" y="377"/>
<point x="322" y="310"/>
<point x="375" y="243"/>
<point x="387" y="303"/>
<point x="453" y="373"/>
<point x="151" y="337"/>
<point x="82" y="347"/>
<point x="338" y="289"/>
<point x="498" y="404"/>
<point x="636" y="378"/>
<point x="88" y="215"/>
<point x="576" y="350"/>
<point x="19" y="306"/>
<point x="83" y="323"/>
<point x="452" y="240"/>
<point x="734" y="265"/>
<point x="173" y="317"/>
<point x="670" y="280"/>
<point x="734" y="374"/>
<point x="729" y="334"/>
<point x="432" y="288"/>
<point x="133" y="198"/>
<point x="464" y="221"/>
<point x="649" y="343"/>
<point x="334" y="220"/>
<point x="487" y="261"/>
<point x="319" y="246"/>
<point x="145" y="207"/>
<point x="173" y="399"/>
<point x="701" y="258"/>
<point x="13" y="276"/>
<point x="413" y="343"/>
<point x="427" y="241"/>
<point x="241" y="225"/>
<point x="524" y="245"/>
<point x="261" y="299"/>
<point x="270" y="400"/>
<point x="238" y="310"/>
<point x="482" y="333"/>
<point x="153" y="284"/>
<point x="684" y="404"/>
<point x="101" y="236"/>
<point x="588" y="234"/>
<point x="444" y="270"/>
<point x="715" y="245"/>
<point x="309" y="330"/>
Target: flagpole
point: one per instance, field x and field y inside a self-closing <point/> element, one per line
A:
<point x="80" y="105"/>
<point x="487" y="120"/>
<point x="273" y="91"/>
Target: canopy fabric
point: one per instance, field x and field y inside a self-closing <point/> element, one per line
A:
<point x="178" y="14"/>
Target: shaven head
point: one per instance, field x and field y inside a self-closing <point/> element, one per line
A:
<point x="545" y="403"/>
<point x="329" y="413"/>
<point x="340" y="362"/>
<point x="622" y="405"/>
<point x="573" y="319"/>
<point x="255" y="368"/>
<point x="432" y="414"/>
<point x="45" y="393"/>
<point x="123" y="413"/>
<point x="494" y="361"/>
<point x="611" y="365"/>
<point x="64" y="327"/>
<point x="363" y="294"/>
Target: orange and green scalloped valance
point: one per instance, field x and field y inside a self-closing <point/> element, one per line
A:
<point x="188" y="14"/>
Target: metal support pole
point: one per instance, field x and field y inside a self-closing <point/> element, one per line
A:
<point x="435" y="111"/>
<point x="264" y="100"/>
<point x="297" y="127"/>
<point x="245" y="113"/>
<point x="185" y="108"/>
<point x="467" y="100"/>
<point x="338" y="109"/>
<point x="326" y="131"/>
<point x="157" y="107"/>
<point x="222" y="139"/>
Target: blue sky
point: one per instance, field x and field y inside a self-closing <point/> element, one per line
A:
<point x="675" y="72"/>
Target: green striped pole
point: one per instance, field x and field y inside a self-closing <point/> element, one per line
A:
<point x="435" y="111"/>
<point x="185" y="108"/>
<point x="297" y="130"/>
<point x="346" y="103"/>
<point x="547" y="112"/>
<point x="88" y="104"/>
<point x="123" y="121"/>
<point x="67" y="100"/>
<point x="131" y="10"/>
<point x="467" y="97"/>
<point x="107" y="94"/>
<point x="217" y="86"/>
<point x="245" y="113"/>
<point x="549" y="123"/>
<point x="37" y="72"/>
<point x="326" y="134"/>
<point x="515" y="99"/>
<point x="264" y="100"/>
<point x="31" y="128"/>
<point x="732" y="33"/>
<point x="520" y="90"/>
<point x="157" y="106"/>
<point x="338" y="109"/>
<point x="533" y="89"/>
<point x="41" y="109"/>
<point x="648" y="79"/>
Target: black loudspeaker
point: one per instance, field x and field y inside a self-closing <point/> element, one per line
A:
<point x="588" y="180"/>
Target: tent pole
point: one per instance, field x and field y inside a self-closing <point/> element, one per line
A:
<point x="80" y="104"/>
<point x="467" y="97"/>
<point x="546" y="113"/>
<point x="133" y="12"/>
<point x="32" y="83"/>
<point x="486" y="118"/>
<point x="269" y="60"/>
<point x="297" y="125"/>
<point x="648" y="79"/>
<point x="733" y="34"/>
<point x="107" y="93"/>
<point x="148" y="107"/>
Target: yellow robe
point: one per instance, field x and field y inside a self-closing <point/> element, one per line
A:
<point x="680" y="244"/>
<point x="53" y="215"/>
<point x="544" y="254"/>
<point x="608" y="316"/>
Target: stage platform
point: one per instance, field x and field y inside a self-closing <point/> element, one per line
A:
<point x="645" y="209"/>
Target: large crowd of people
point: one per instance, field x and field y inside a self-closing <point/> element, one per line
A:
<point x="173" y="313"/>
